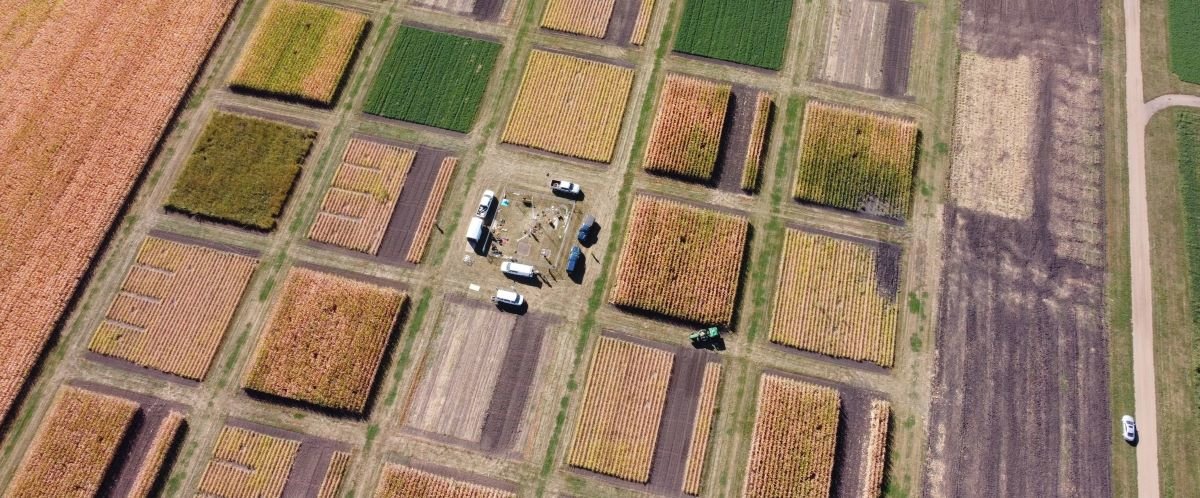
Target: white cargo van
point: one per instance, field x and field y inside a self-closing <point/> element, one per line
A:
<point x="518" y="269"/>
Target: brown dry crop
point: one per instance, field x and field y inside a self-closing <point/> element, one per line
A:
<point x="701" y="428"/>
<point x="359" y="203"/>
<point x="876" y="458"/>
<point x="399" y="481"/>
<point x="164" y="439"/>
<point x="642" y="25"/>
<point x="758" y="140"/>
<point x="569" y="105"/>
<point x="75" y="445"/>
<point x="622" y="410"/>
<point x="86" y="89"/>
<point x="416" y="249"/>
<point x="247" y="464"/>
<point x="325" y="340"/>
<point x="583" y="17"/>
<point x="681" y="261"/>
<point x="334" y="475"/>
<point x="795" y="434"/>
<point x="686" y="136"/>
<point x="828" y="299"/>
<point x="174" y="307"/>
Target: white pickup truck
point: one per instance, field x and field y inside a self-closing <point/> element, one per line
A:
<point x="564" y="187"/>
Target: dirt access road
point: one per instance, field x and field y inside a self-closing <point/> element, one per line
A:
<point x="1138" y="114"/>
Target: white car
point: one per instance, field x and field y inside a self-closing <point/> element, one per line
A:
<point x="485" y="204"/>
<point x="508" y="297"/>
<point x="1129" y="429"/>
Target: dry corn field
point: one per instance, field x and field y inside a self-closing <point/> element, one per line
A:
<point x="828" y="299"/>
<point x="416" y="250"/>
<point x="681" y="261"/>
<point x="701" y="429"/>
<point x="569" y="105"/>
<point x="359" y="203"/>
<point x="325" y="340"/>
<point x="622" y="409"/>
<point x="164" y="439"/>
<point x="686" y="135"/>
<point x="174" y="307"/>
<point x="856" y="159"/>
<point x="641" y="26"/>
<point x="995" y="121"/>
<point x="334" y="475"/>
<point x="582" y="17"/>
<point x="399" y="481"/>
<point x="758" y="141"/>
<point x="247" y="464"/>
<point x="89" y="86"/>
<point x="299" y="50"/>
<point x="876" y="458"/>
<point x="795" y="435"/>
<point x="74" y="447"/>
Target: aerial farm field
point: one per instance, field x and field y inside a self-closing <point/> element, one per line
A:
<point x="267" y="258"/>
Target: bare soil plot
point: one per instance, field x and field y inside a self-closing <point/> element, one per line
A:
<point x="482" y="10"/>
<point x="475" y="381"/>
<point x="619" y="22"/>
<point x="428" y="481"/>
<point x="250" y="459"/>
<point x="1006" y="27"/>
<point x="870" y="45"/>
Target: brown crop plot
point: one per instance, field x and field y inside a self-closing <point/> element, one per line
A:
<point x="686" y="136"/>
<point x="359" y="203"/>
<point x="701" y="429"/>
<point x="433" y="205"/>
<point x="247" y="463"/>
<point x="174" y="307"/>
<point x="325" y="340"/>
<point x="876" y="457"/>
<point x="569" y="105"/>
<point x="837" y="297"/>
<point x="399" y="481"/>
<point x="758" y="141"/>
<point x="870" y="45"/>
<point x="74" y="446"/>
<point x="164" y="439"/>
<point x="583" y="17"/>
<point x="641" y="25"/>
<point x="622" y="410"/>
<point x="795" y="435"/>
<point x="89" y="88"/>
<point x="681" y="261"/>
<point x="334" y="475"/>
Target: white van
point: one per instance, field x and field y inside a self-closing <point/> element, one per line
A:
<point x="508" y="297"/>
<point x="518" y="269"/>
<point x="485" y="204"/>
<point x="475" y="232"/>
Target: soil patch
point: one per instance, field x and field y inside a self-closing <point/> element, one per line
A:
<point x="735" y="139"/>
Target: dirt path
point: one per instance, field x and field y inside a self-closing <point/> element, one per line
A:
<point x="1138" y="114"/>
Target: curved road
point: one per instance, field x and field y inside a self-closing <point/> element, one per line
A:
<point x="1138" y="114"/>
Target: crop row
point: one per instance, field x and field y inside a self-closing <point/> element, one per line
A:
<point x="641" y="25"/>
<point x="583" y="17"/>
<point x="359" y="203"/>
<point x="758" y="140"/>
<point x="876" y="458"/>
<point x="433" y="204"/>
<point x="248" y="464"/>
<point x="701" y="428"/>
<point x="795" y="435"/>
<point x="164" y="439"/>
<point x="334" y="475"/>
<point x="686" y="136"/>
<point x="174" y="307"/>
<point x="623" y="404"/>
<point x="399" y="481"/>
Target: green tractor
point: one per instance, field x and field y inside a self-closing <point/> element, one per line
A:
<point x="705" y="337"/>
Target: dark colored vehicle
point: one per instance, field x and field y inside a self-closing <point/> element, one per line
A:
<point x="585" y="229"/>
<point x="574" y="259"/>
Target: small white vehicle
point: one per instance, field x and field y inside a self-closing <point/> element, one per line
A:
<point x="508" y="297"/>
<point x="1129" y="429"/>
<point x="564" y="187"/>
<point x="485" y="204"/>
<point x="518" y="269"/>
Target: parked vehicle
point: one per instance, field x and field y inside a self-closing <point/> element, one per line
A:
<point x="585" y="228"/>
<point x="1129" y="429"/>
<point x="475" y="232"/>
<point x="485" y="204"/>
<point x="705" y="336"/>
<point x="574" y="259"/>
<point x="518" y="269"/>
<point x="508" y="297"/>
<point x="565" y="187"/>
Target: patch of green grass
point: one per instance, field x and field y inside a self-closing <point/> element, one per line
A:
<point x="433" y="78"/>
<point x="751" y="32"/>
<point x="241" y="171"/>
<point x="1183" y="22"/>
<point x="915" y="343"/>
<point x="415" y="322"/>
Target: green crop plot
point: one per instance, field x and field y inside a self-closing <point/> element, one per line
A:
<point x="752" y="32"/>
<point x="432" y="78"/>
<point x="1184" y="32"/>
<point x="241" y="171"/>
<point x="300" y="51"/>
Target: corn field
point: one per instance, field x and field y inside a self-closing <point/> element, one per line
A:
<point x="642" y="25"/>
<point x="334" y="475"/>
<point x="856" y="159"/>
<point x="247" y="464"/>
<point x="174" y="307"/>
<point x="795" y="435"/>
<point x="686" y="136"/>
<point x="325" y="340"/>
<point x="569" y="105"/>
<point x="701" y="428"/>
<point x="828" y="299"/>
<point x="164" y="439"/>
<point x="681" y="261"/>
<point x="758" y="141"/>
<point x="876" y="459"/>
<point x="358" y="205"/>
<point x="299" y="50"/>
<point x="622" y="410"/>
<point x="74" y="446"/>
<point x="420" y="241"/>
<point x="399" y="481"/>
<point x="582" y="17"/>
